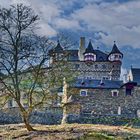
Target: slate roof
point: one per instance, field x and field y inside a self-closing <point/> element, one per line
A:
<point x="89" y="49"/>
<point x="97" y="84"/>
<point x="73" y="52"/>
<point x="130" y="83"/>
<point x="72" y="55"/>
<point x="136" y="75"/>
<point x="101" y="56"/>
<point x="58" y="48"/>
<point x="115" y="49"/>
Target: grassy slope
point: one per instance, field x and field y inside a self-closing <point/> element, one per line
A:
<point x="70" y="131"/>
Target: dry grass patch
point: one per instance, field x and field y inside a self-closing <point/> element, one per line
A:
<point x="69" y="131"/>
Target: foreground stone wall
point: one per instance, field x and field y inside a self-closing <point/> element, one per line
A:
<point x="52" y="117"/>
<point x="48" y="116"/>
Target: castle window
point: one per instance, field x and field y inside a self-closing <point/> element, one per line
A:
<point x="96" y="66"/>
<point x="76" y="66"/>
<point x="115" y="93"/>
<point x="83" y="92"/>
<point x="129" y="89"/>
<point x="105" y="78"/>
<point x="128" y="92"/>
<point x="103" y="66"/>
<point x="116" y="56"/>
<point x="10" y="103"/>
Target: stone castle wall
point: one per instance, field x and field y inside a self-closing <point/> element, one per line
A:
<point x="98" y="70"/>
<point x="101" y="102"/>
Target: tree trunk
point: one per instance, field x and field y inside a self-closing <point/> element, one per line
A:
<point x="27" y="124"/>
<point x="25" y="116"/>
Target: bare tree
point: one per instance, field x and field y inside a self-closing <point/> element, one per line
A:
<point x="23" y="56"/>
<point x="23" y="60"/>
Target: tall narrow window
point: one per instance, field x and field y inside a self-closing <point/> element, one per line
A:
<point x="128" y="92"/>
<point x="129" y="89"/>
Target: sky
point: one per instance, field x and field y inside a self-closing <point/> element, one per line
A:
<point x="102" y="21"/>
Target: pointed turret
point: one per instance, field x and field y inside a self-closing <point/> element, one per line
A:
<point x="58" y="48"/>
<point x="56" y="53"/>
<point x="115" y="54"/>
<point x="89" y="54"/>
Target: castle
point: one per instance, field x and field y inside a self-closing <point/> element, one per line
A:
<point x="98" y="90"/>
<point x="91" y="63"/>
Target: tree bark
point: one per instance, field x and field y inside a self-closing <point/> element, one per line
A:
<point x="25" y="116"/>
<point x="27" y="124"/>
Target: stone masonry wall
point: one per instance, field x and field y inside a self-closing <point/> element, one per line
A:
<point x="101" y="102"/>
<point x="98" y="70"/>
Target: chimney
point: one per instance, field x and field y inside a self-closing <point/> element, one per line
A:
<point x="81" y="48"/>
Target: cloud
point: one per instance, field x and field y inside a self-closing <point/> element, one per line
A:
<point x="121" y="22"/>
<point x="46" y="30"/>
<point x="47" y="12"/>
<point x="102" y="20"/>
<point x="62" y="23"/>
<point x="109" y="20"/>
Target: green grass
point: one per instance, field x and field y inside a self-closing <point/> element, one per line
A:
<point x="97" y="136"/>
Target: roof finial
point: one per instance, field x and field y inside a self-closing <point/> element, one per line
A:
<point x="90" y="40"/>
<point x="58" y="41"/>
<point x="114" y="42"/>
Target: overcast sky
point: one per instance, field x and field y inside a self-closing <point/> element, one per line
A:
<point x="103" y="21"/>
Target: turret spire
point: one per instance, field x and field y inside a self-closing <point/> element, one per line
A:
<point x="89" y="54"/>
<point x="115" y="54"/>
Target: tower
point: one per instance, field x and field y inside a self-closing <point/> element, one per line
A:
<point x="81" y="49"/>
<point x="115" y="57"/>
<point x="115" y="54"/>
<point x="56" y="53"/>
<point x="89" y="54"/>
